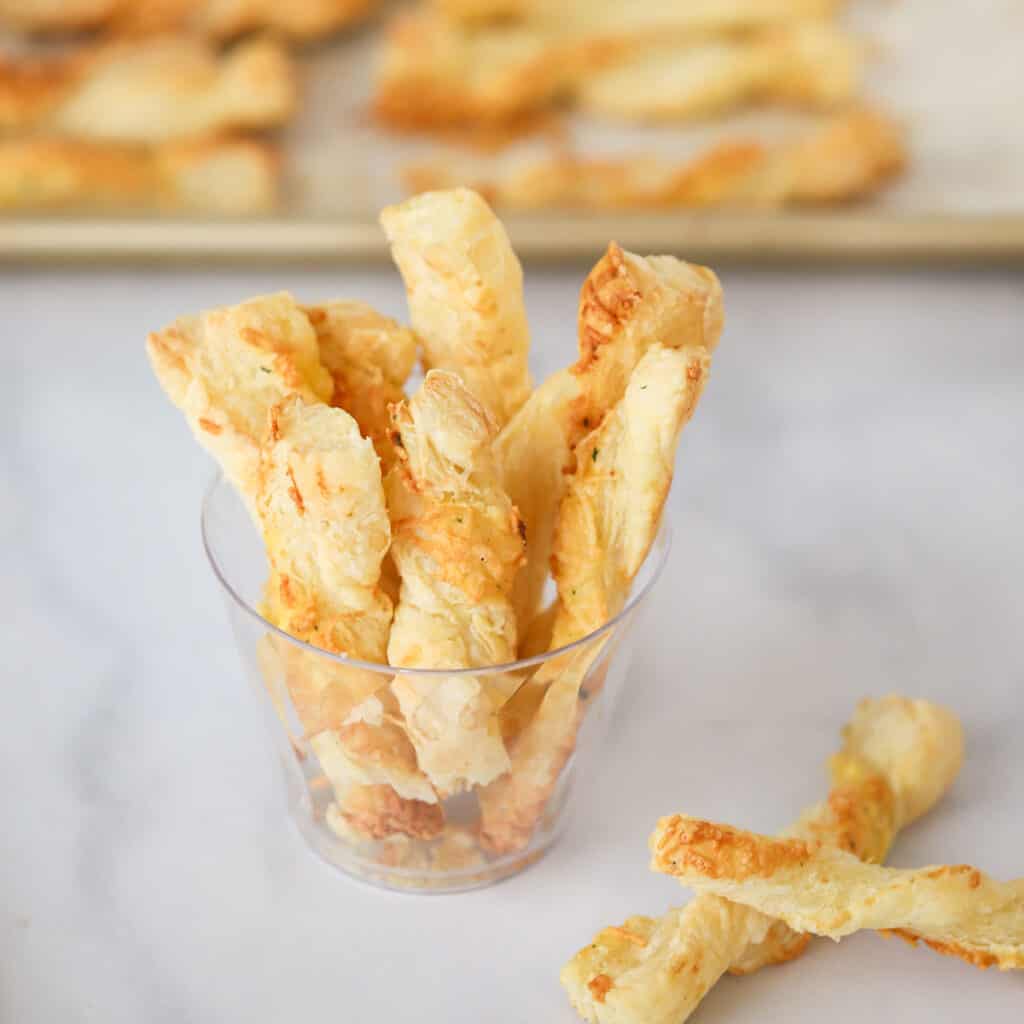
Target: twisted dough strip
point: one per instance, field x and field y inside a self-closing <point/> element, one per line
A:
<point x="148" y="92"/>
<point x="369" y="357"/>
<point x="325" y="524"/>
<point x="627" y="303"/>
<point x="435" y="74"/>
<point x="465" y="289"/>
<point x="218" y="19"/>
<point x="457" y="546"/>
<point x="898" y="758"/>
<point x="326" y="528"/>
<point x="230" y="176"/>
<point x="642" y="20"/>
<point x="227" y="367"/>
<point x="850" y="156"/>
<point x="50" y="15"/>
<point x="819" y="889"/>
<point x="606" y="525"/>
<point x="810" y="65"/>
<point x="222" y="19"/>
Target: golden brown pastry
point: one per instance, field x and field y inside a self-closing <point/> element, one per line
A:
<point x="150" y="91"/>
<point x="250" y="382"/>
<point x="55" y="15"/>
<point x="626" y="303"/>
<point x="654" y="21"/>
<point x="850" y="156"/>
<point x="457" y="546"/>
<point x="611" y="511"/>
<point x="898" y="758"/>
<point x="321" y="508"/>
<point x="807" y="65"/>
<point x="222" y="176"/>
<point x="436" y="74"/>
<point x="641" y="20"/>
<point x="226" y="368"/>
<point x="222" y="19"/>
<point x="447" y="67"/>
<point x="534" y="455"/>
<point x="477" y="11"/>
<point x="326" y="529"/>
<point x="607" y="522"/>
<point x="817" y="888"/>
<point x="378" y="812"/>
<point x="325" y="523"/>
<point x="369" y="357"/>
<point x="369" y="754"/>
<point x="465" y="290"/>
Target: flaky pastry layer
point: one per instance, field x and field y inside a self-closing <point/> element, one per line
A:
<point x="817" y="888"/>
<point x="808" y="65"/>
<point x="55" y="15"/>
<point x="851" y="156"/>
<point x="626" y="303"/>
<point x="223" y="176"/>
<point x="148" y="91"/>
<point x="326" y="528"/>
<point x="899" y="756"/>
<point x="226" y="368"/>
<point x="646" y="19"/>
<point x="465" y="290"/>
<point x="457" y="545"/>
<point x="606" y="523"/>
<point x="436" y="74"/>
<point x="369" y="357"/>
<point x="223" y="19"/>
<point x="325" y="525"/>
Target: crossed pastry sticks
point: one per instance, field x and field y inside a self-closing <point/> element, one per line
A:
<point x="759" y="900"/>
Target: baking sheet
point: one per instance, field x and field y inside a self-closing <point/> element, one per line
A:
<point x="953" y="73"/>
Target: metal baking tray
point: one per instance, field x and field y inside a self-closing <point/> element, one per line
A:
<point x="955" y="79"/>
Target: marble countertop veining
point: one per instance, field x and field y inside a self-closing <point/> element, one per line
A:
<point x="848" y="511"/>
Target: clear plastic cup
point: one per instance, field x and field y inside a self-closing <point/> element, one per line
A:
<point x="392" y="829"/>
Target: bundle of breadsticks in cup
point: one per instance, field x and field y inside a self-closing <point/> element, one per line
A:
<point x="760" y="900"/>
<point x="449" y="570"/>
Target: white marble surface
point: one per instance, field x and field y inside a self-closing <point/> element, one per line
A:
<point x="848" y="516"/>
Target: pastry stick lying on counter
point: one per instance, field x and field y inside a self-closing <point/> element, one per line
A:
<point x="607" y="522"/>
<point x="809" y="65"/>
<point x="465" y="290"/>
<point x="222" y="176"/>
<point x="817" y="888"/>
<point x="326" y="529"/>
<point x="898" y="758"/>
<point x="369" y="357"/>
<point x="850" y="156"/>
<point x="627" y="302"/>
<point x="457" y="545"/>
<point x="149" y="91"/>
